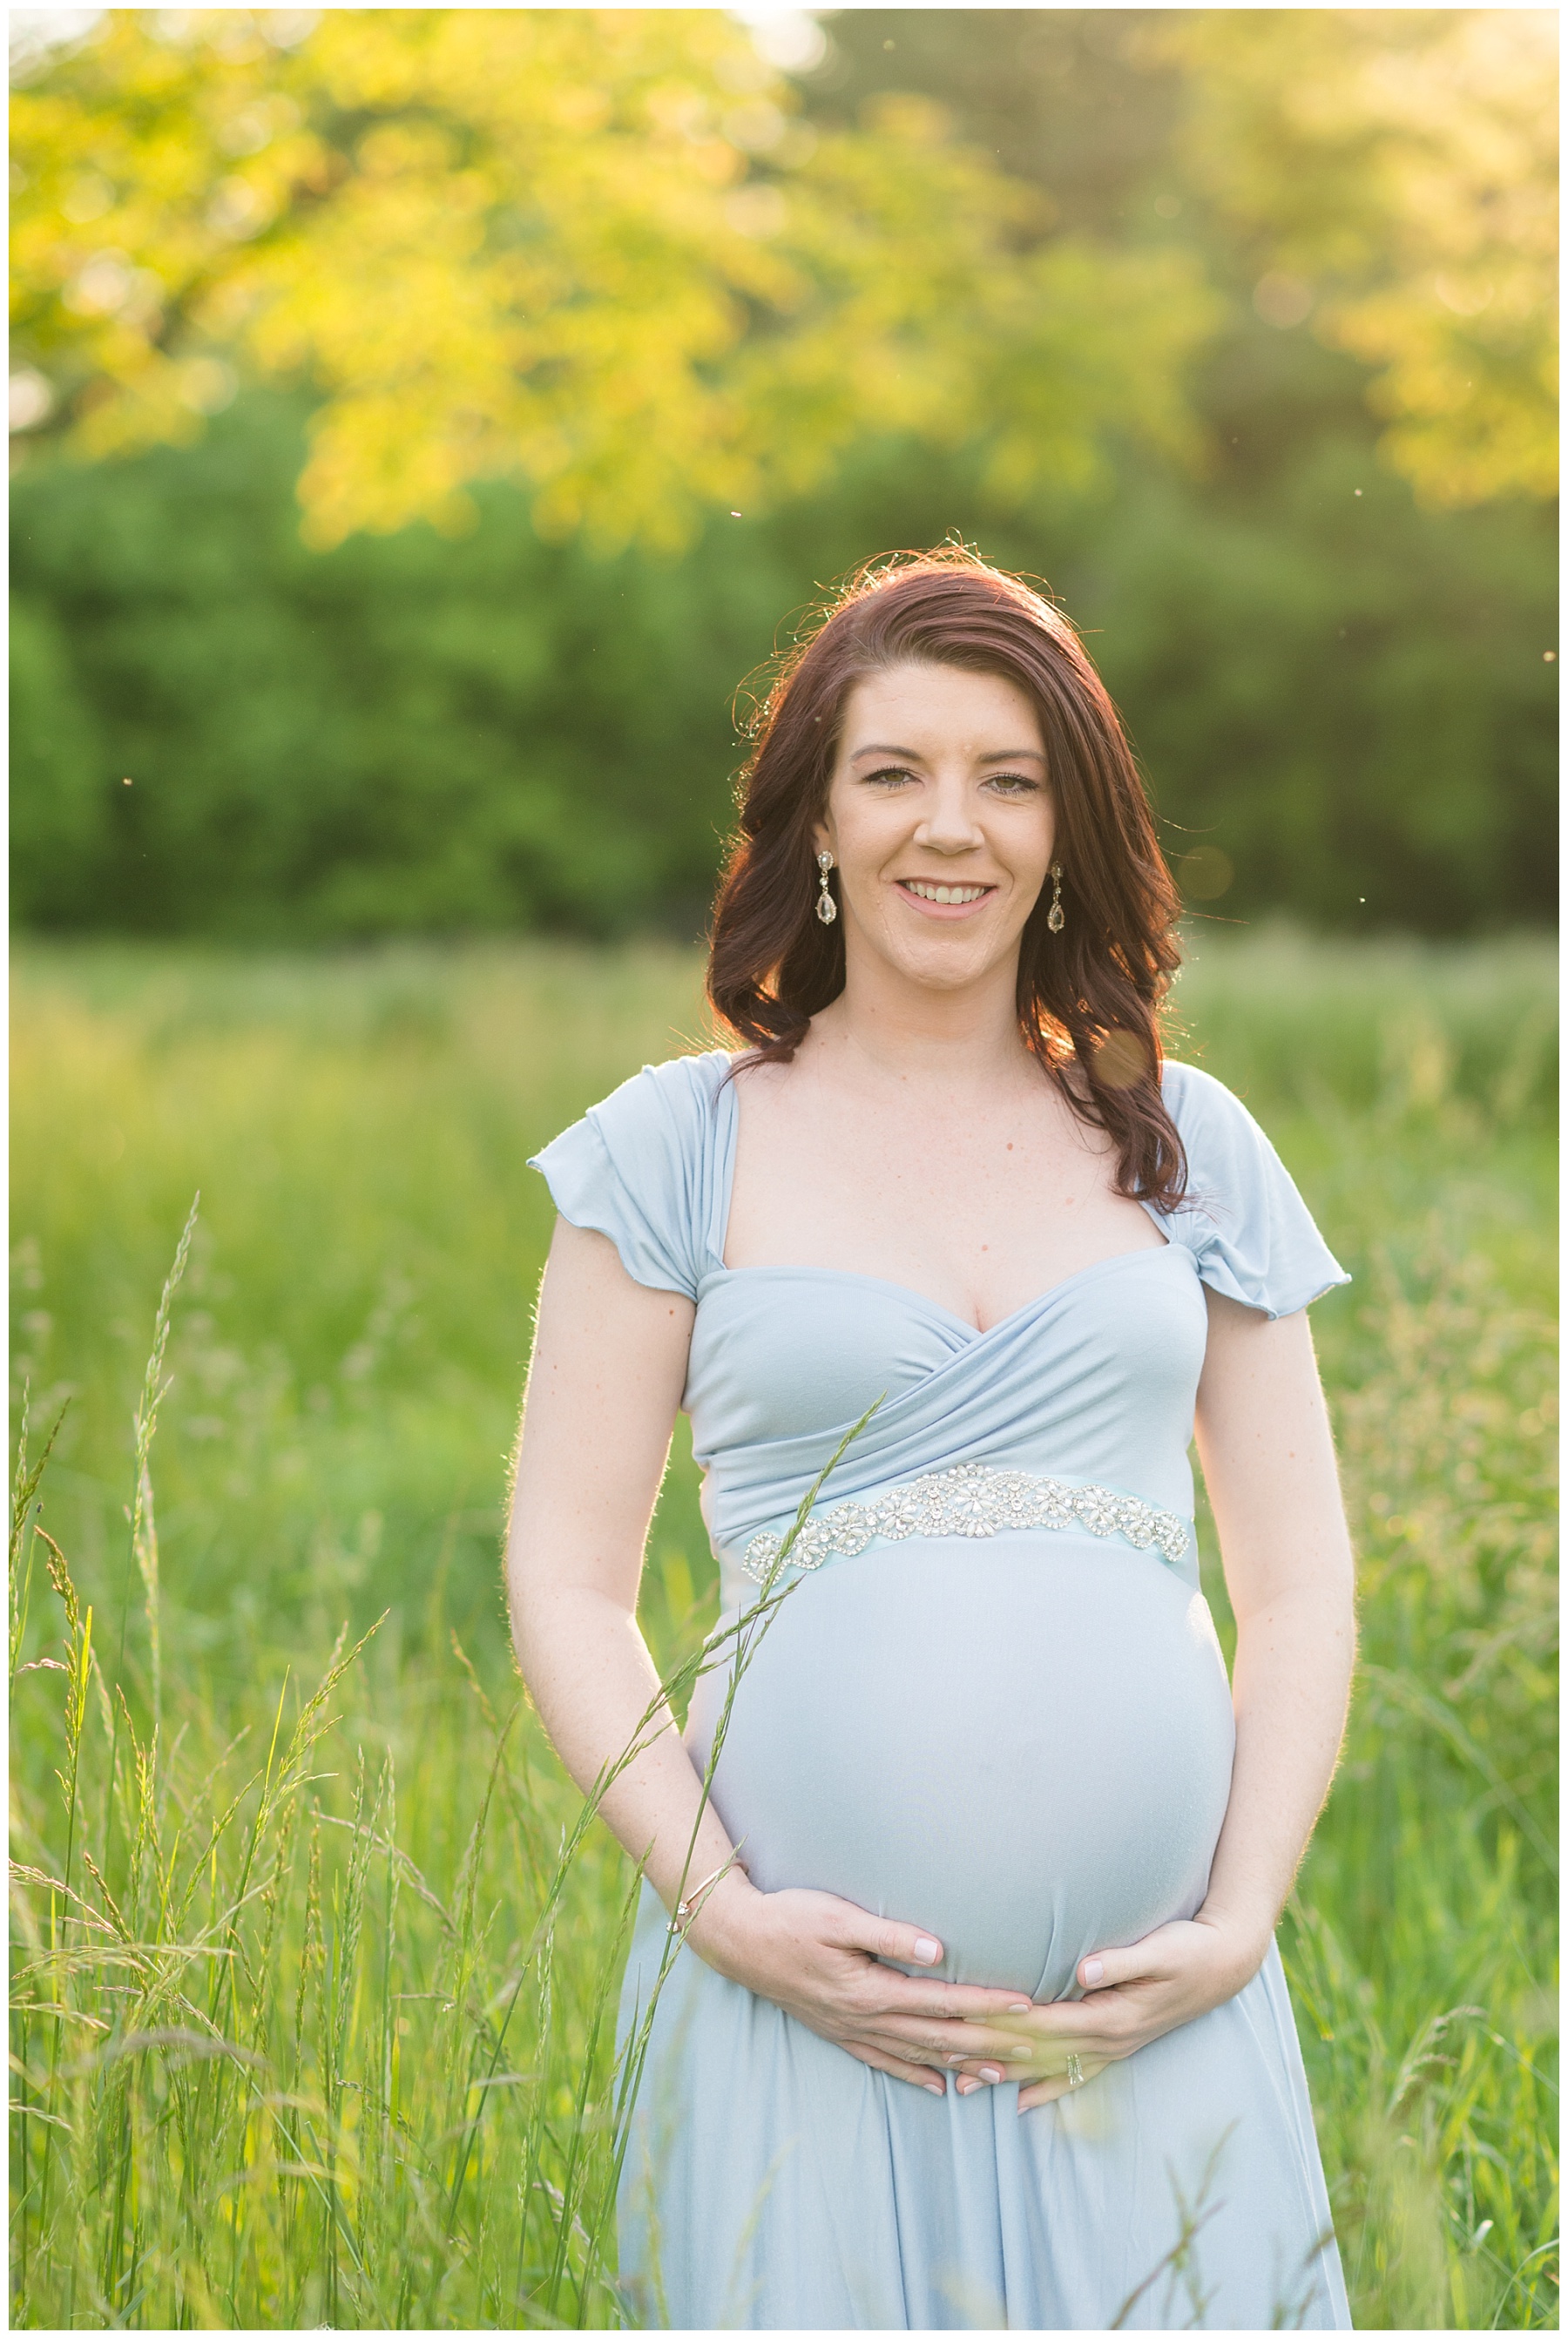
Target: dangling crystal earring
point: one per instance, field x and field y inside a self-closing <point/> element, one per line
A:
<point x="1056" y="916"/>
<point x="826" y="907"/>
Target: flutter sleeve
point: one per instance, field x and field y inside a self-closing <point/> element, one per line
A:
<point x="1252" y="1235"/>
<point x="637" y="1167"/>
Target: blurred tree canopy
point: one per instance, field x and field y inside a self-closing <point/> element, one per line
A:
<point x="597" y="248"/>
<point x="1098" y="290"/>
<point x="1397" y="171"/>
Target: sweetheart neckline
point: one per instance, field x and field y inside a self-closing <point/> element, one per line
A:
<point x="936" y="1307"/>
<point x="725" y="1122"/>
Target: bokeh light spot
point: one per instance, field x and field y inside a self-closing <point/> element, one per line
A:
<point x="1205" y="872"/>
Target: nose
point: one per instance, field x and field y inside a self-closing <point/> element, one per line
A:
<point x="950" y="825"/>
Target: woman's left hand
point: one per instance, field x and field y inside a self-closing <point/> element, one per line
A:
<point x="1135" y="1995"/>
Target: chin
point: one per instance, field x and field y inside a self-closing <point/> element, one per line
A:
<point x="944" y="964"/>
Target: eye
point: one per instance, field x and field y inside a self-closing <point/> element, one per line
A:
<point x="1013" y="784"/>
<point x="889" y="775"/>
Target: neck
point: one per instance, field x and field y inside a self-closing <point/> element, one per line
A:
<point x="960" y="1038"/>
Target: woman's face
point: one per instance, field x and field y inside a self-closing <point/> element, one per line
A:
<point x="940" y="818"/>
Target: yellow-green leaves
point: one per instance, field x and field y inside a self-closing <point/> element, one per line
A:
<point x="1398" y="169"/>
<point x="595" y="248"/>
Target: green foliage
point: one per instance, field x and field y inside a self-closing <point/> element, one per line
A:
<point x="403" y="734"/>
<point x="308" y="1928"/>
<point x="1384" y="181"/>
<point x="1395" y="176"/>
<point x="592" y="249"/>
<point x="1344" y="696"/>
<point x="57" y="770"/>
<point x="1360" y="726"/>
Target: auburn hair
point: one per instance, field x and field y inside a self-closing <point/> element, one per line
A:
<point x="1088" y="998"/>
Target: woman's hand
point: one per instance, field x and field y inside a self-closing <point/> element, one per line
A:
<point x="819" y="1959"/>
<point x="1135" y="1995"/>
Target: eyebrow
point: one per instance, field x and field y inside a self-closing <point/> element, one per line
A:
<point x="914" y="755"/>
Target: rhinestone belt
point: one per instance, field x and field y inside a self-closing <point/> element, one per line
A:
<point x="972" y="1499"/>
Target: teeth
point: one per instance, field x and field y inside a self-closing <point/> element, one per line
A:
<point x="929" y="893"/>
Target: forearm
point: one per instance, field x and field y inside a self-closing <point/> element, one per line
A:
<point x="1290" y="1687"/>
<point x="595" y="1685"/>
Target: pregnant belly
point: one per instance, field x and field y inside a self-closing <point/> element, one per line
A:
<point x="1023" y="1745"/>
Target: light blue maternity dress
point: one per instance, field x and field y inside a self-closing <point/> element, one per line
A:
<point x="993" y="1705"/>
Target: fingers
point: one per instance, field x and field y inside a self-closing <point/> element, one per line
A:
<point x="850" y="1928"/>
<point x="950" y="2044"/>
<point x="1108" y="1968"/>
<point x="912" y="2072"/>
<point x="1090" y="2026"/>
<point x="906" y="1945"/>
<point x="841" y="1925"/>
<point x="951" y="2001"/>
<point x="957" y="2043"/>
<point x="971" y="2082"/>
<point x="1051" y="2089"/>
<point x="993" y="2068"/>
<point x="931" y="2021"/>
<point x="933" y="2044"/>
<point x="960" y="2034"/>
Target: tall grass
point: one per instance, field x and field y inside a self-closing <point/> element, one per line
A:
<point x="315" y="1949"/>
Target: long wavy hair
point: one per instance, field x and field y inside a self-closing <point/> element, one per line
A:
<point x="1088" y="998"/>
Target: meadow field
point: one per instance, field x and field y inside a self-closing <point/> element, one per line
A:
<point x="313" y="1953"/>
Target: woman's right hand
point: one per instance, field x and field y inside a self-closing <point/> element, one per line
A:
<point x="821" y="1958"/>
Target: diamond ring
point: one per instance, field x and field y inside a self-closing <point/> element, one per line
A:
<point x="1074" y="2072"/>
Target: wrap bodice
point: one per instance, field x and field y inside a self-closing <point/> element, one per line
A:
<point x="1092" y="1382"/>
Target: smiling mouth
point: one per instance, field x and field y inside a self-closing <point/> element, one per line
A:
<point x="926" y="889"/>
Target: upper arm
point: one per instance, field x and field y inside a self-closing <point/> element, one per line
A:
<point x="1268" y="1453"/>
<point x="604" y="1384"/>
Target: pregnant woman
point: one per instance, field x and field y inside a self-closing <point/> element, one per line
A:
<point x="976" y="2017"/>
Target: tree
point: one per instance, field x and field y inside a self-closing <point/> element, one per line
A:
<point x="594" y="248"/>
<point x="1396" y="170"/>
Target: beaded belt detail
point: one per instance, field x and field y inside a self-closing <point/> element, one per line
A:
<point x="972" y="1499"/>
